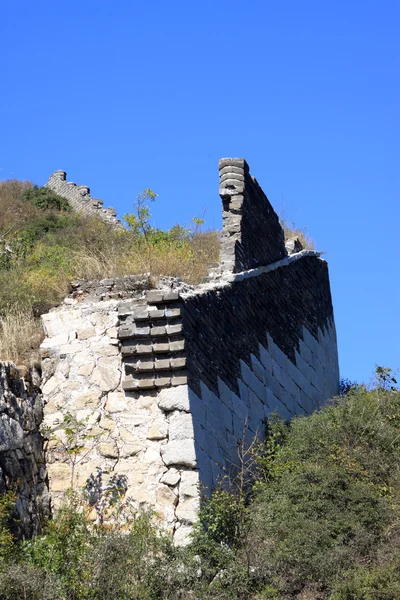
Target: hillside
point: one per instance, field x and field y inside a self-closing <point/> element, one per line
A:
<point x="44" y="245"/>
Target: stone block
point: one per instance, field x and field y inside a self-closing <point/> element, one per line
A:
<point x="177" y="345"/>
<point x="132" y="383"/>
<point x="178" y="362"/>
<point x="179" y="452"/>
<point x="161" y="382"/>
<point x="241" y="406"/>
<point x="170" y="296"/>
<point x="158" y="331"/>
<point x="162" y="364"/>
<point x="144" y="347"/>
<point x="171" y="313"/>
<point x="252" y="381"/>
<point x="172" y="477"/>
<point x="116" y="402"/>
<point x="225" y="394"/>
<point x="161" y="347"/>
<point x="258" y="369"/>
<point x="187" y="510"/>
<point x="107" y="374"/>
<point x="165" y="496"/>
<point x="108" y="449"/>
<point x="174" y="329"/>
<point x="176" y="398"/>
<point x="189" y="484"/>
<point x="180" y="426"/>
<point x="265" y="358"/>
<point x="154" y="296"/>
<point x="179" y="378"/>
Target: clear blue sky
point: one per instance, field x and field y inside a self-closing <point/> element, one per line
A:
<point x="125" y="94"/>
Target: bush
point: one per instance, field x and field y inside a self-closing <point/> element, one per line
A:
<point x="44" y="198"/>
<point x="321" y="521"/>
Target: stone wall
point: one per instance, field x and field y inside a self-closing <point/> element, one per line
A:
<point x="22" y="466"/>
<point x="251" y="233"/>
<point x="80" y="199"/>
<point x="167" y="382"/>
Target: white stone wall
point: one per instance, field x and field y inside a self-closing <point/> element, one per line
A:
<point x="144" y="440"/>
<point x="163" y="443"/>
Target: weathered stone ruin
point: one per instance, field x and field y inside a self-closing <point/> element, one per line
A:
<point x="169" y="380"/>
<point x="22" y="463"/>
<point x="80" y="199"/>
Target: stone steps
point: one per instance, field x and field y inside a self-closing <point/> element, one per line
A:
<point x="152" y="342"/>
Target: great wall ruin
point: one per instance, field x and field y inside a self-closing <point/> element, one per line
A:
<point x="169" y="380"/>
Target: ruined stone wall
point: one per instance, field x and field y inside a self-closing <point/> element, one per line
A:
<point x="22" y="465"/>
<point x="80" y="199"/>
<point x="251" y="233"/>
<point x="169" y="381"/>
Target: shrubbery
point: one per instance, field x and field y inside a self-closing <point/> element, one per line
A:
<point x="321" y="520"/>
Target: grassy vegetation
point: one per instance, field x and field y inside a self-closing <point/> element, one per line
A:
<point x="291" y="230"/>
<point x="320" y="520"/>
<point x="44" y="245"/>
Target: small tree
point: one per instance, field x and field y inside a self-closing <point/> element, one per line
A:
<point x="139" y="221"/>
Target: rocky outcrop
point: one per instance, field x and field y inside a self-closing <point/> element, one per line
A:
<point x="22" y="466"/>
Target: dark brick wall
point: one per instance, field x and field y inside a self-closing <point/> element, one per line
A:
<point x="224" y="326"/>
<point x="252" y="235"/>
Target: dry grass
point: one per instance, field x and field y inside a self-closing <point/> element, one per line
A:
<point x="20" y="337"/>
<point x="291" y="231"/>
<point x="189" y="262"/>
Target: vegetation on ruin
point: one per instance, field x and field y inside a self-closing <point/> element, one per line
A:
<point x="313" y="513"/>
<point x="44" y="245"/>
<point x="292" y="231"/>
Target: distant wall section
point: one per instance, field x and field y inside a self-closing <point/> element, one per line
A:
<point x="80" y="199"/>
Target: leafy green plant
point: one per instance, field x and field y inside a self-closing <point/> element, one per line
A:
<point x="139" y="221"/>
<point x="74" y="440"/>
<point x="7" y="542"/>
<point x="45" y="198"/>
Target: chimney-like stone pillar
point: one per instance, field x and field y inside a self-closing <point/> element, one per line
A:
<point x="251" y="234"/>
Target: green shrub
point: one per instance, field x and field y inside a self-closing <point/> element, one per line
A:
<point x="45" y="198"/>
<point x="334" y="494"/>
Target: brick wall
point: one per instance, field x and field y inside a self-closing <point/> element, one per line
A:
<point x="171" y="380"/>
<point x="80" y="199"/>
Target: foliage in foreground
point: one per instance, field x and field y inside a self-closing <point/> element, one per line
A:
<point x="320" y="521"/>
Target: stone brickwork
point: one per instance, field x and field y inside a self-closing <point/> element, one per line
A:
<point x="22" y="465"/>
<point x="251" y="234"/>
<point x="80" y="199"/>
<point x="169" y="381"/>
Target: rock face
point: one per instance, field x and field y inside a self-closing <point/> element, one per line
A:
<point x="22" y="466"/>
<point x="165" y="384"/>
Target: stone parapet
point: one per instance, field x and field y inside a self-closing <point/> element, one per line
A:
<point x="251" y="233"/>
<point x="80" y="199"/>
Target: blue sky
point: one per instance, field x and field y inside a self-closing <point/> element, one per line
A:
<point x="125" y="94"/>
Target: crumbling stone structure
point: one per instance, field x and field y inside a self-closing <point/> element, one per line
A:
<point x="22" y="464"/>
<point x="80" y="199"/>
<point x="169" y="380"/>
